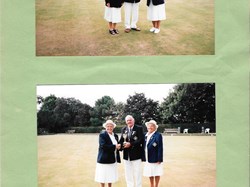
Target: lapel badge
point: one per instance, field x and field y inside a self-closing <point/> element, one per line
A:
<point x="135" y="138"/>
<point x="154" y="144"/>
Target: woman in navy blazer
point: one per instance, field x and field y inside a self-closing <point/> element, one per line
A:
<point x="112" y="14"/>
<point x="155" y="13"/>
<point x="108" y="155"/>
<point x="153" y="167"/>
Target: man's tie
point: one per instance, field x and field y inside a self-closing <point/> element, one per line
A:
<point x="129" y="133"/>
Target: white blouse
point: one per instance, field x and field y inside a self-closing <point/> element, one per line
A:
<point x="112" y="137"/>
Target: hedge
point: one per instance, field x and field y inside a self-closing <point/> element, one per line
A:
<point x="192" y="128"/>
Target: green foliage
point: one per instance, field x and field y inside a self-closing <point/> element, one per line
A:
<point x="119" y="114"/>
<point x="45" y="116"/>
<point x="190" y="103"/>
<point x="94" y="129"/>
<point x="91" y="129"/>
<point x="56" y="114"/>
<point x="193" y="128"/>
<point x="141" y="108"/>
<point x="102" y="111"/>
<point x="82" y="116"/>
<point x="95" y="121"/>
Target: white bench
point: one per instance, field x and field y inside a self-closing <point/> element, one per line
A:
<point x="71" y="131"/>
<point x="171" y="131"/>
<point x="185" y="131"/>
<point x="207" y="130"/>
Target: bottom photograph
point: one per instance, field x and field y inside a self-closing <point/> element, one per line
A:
<point x="126" y="135"/>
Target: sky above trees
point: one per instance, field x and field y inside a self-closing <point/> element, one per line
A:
<point x="90" y="93"/>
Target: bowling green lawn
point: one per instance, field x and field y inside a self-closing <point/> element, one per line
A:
<point x="69" y="160"/>
<point x="78" y="28"/>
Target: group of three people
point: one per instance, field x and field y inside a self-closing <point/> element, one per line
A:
<point x="136" y="148"/>
<point x="155" y="13"/>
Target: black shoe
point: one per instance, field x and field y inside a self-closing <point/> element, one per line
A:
<point x="136" y="29"/>
<point x="116" y="31"/>
<point x="111" y="32"/>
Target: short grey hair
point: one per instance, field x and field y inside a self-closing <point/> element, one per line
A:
<point x="129" y="116"/>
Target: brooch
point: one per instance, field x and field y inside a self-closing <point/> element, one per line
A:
<point x="154" y="144"/>
<point x="135" y="138"/>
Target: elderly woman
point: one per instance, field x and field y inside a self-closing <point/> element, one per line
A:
<point x="108" y="155"/>
<point x="113" y="14"/>
<point x="155" y="13"/>
<point x="153" y="167"/>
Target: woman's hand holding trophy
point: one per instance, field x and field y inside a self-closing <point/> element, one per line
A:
<point x="118" y="146"/>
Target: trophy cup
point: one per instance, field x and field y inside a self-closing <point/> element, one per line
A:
<point x="125" y="135"/>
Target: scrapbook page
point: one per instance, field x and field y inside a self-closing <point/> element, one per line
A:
<point x="186" y="74"/>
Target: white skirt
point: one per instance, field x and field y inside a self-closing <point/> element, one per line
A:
<point x="112" y="14"/>
<point x="106" y="173"/>
<point x="156" y="13"/>
<point x="152" y="169"/>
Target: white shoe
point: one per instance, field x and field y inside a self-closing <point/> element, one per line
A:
<point x="152" y="29"/>
<point x="156" y="31"/>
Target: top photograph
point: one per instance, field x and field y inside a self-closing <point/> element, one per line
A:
<point x="124" y="27"/>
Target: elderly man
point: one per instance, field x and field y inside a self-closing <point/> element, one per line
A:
<point x="131" y="9"/>
<point x="132" y="139"/>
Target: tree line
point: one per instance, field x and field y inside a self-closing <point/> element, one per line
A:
<point x="187" y="103"/>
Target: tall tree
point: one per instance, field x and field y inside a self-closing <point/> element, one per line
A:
<point x="102" y="111"/>
<point x="190" y="103"/>
<point x="82" y="117"/>
<point x="141" y="108"/>
<point x="45" y="116"/>
<point x="62" y="114"/>
<point x="56" y="114"/>
<point x="119" y="114"/>
<point x="151" y="111"/>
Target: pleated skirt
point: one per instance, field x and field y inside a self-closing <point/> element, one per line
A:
<point x="152" y="169"/>
<point x="106" y="173"/>
<point x="156" y="13"/>
<point x="112" y="14"/>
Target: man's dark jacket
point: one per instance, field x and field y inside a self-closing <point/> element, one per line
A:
<point x="136" y="150"/>
<point x="155" y="2"/>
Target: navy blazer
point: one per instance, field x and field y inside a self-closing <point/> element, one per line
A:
<point x="135" y="151"/>
<point x="114" y="3"/>
<point x="155" y="2"/>
<point x="107" y="150"/>
<point x="155" y="148"/>
<point x="132" y="1"/>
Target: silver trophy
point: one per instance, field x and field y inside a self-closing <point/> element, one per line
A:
<point x="125" y="135"/>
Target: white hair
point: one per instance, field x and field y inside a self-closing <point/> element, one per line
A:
<point x="129" y="116"/>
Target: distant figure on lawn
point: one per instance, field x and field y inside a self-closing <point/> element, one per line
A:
<point x="154" y="154"/>
<point x="108" y="156"/>
<point x="131" y="9"/>
<point x="132" y="139"/>
<point x="113" y="14"/>
<point x="155" y="13"/>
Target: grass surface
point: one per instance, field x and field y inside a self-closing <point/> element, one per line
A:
<point x="77" y="28"/>
<point x="69" y="160"/>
